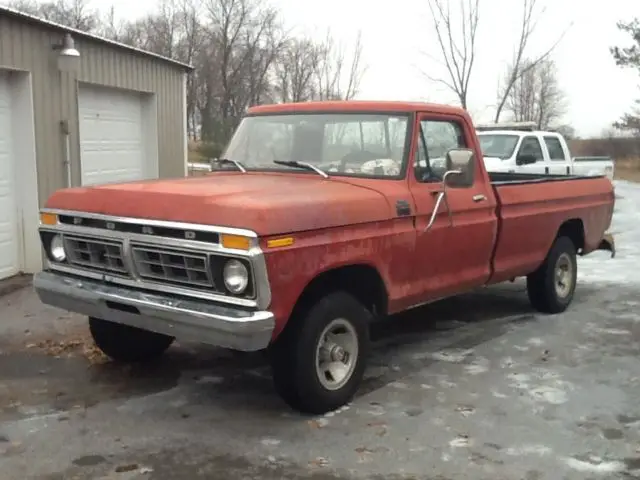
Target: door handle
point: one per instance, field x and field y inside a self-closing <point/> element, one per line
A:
<point x="479" y="198"/>
<point x="441" y="197"/>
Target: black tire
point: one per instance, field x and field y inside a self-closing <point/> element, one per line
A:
<point x="123" y="343"/>
<point x="293" y="356"/>
<point x="545" y="292"/>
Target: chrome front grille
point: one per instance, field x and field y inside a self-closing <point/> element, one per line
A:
<point x="153" y="255"/>
<point x="173" y="266"/>
<point x="95" y="254"/>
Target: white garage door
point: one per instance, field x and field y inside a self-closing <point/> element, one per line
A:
<point x="9" y="243"/>
<point x="113" y="144"/>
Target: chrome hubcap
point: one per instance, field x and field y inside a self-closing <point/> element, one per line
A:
<point x="563" y="275"/>
<point x="336" y="354"/>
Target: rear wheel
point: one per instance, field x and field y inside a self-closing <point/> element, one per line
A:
<point x="123" y="343"/>
<point x="552" y="286"/>
<point x="319" y="361"/>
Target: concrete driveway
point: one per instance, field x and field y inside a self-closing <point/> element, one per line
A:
<point x="475" y="387"/>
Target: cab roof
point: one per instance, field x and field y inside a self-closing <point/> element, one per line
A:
<point x="357" y="106"/>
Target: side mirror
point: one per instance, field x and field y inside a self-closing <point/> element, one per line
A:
<point x="462" y="162"/>
<point x="526" y="159"/>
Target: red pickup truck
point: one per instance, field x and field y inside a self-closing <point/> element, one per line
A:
<point x="319" y="218"/>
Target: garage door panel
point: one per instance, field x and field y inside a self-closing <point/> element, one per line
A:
<point x="9" y="244"/>
<point x="112" y="140"/>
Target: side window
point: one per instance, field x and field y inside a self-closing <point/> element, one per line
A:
<point x="555" y="148"/>
<point x="436" y="138"/>
<point x="531" y="146"/>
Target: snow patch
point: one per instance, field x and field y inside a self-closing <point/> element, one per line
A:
<point x="596" y="466"/>
<point x="453" y="356"/>
<point x="478" y="366"/>
<point x="270" y="442"/>
<point x="540" y="450"/>
<point x="460" y="441"/>
<point x="543" y="386"/>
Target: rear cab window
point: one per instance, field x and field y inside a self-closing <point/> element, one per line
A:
<point x="554" y="146"/>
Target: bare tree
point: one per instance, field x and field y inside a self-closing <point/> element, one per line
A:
<point x="243" y="36"/>
<point x="241" y="52"/>
<point x="193" y="32"/>
<point x="519" y="67"/>
<point x="457" y="48"/>
<point x="71" y="13"/>
<point x="535" y="95"/>
<point x="295" y="71"/>
<point x="113" y="29"/>
<point x="567" y="131"/>
<point x="338" y="77"/>
<point x="629" y="57"/>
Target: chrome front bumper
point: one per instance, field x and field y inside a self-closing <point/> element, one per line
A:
<point x="189" y="320"/>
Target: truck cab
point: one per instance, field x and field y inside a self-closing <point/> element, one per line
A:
<point x="519" y="147"/>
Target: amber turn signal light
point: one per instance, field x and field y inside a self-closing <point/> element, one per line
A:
<point x="48" y="219"/>
<point x="236" y="242"/>
<point x="280" y="242"/>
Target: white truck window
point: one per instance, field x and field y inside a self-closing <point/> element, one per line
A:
<point x="556" y="152"/>
<point x="498" y="145"/>
<point x="531" y="146"/>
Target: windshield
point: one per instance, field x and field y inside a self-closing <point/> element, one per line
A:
<point x="497" y="145"/>
<point x="363" y="145"/>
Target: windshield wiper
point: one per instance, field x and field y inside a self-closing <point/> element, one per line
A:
<point x="305" y="165"/>
<point x="238" y="165"/>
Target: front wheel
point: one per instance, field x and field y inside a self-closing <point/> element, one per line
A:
<point x="552" y="286"/>
<point x="123" y="343"/>
<point x="319" y="361"/>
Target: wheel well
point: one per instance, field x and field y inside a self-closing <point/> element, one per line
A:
<point x="362" y="281"/>
<point x="574" y="229"/>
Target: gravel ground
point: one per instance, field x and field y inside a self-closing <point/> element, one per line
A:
<point x="477" y="387"/>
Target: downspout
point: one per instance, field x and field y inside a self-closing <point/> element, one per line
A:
<point x="185" y="125"/>
<point x="64" y="127"/>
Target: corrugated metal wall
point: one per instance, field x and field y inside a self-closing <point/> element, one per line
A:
<point x="27" y="46"/>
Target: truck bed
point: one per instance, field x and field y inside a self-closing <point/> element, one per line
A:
<point x="531" y="210"/>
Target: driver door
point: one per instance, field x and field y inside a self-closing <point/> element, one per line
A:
<point x="454" y="254"/>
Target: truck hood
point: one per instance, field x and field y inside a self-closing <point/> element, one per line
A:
<point x="267" y="203"/>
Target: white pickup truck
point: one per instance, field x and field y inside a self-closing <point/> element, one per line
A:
<point x="519" y="147"/>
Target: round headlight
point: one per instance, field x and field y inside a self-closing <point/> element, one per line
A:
<point x="236" y="276"/>
<point x="56" y="249"/>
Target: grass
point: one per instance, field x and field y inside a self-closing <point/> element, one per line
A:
<point x="194" y="156"/>
<point x="628" y="169"/>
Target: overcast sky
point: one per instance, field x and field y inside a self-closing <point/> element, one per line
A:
<point x="397" y="33"/>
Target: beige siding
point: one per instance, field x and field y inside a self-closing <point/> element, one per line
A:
<point x="26" y="46"/>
